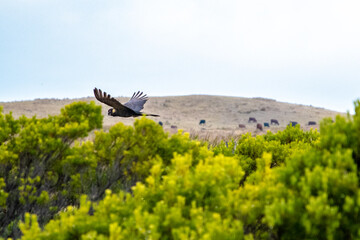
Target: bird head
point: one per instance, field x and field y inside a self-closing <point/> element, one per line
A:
<point x="111" y="111"/>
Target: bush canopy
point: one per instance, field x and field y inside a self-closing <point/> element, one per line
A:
<point x="137" y="182"/>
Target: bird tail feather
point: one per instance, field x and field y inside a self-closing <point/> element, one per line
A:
<point x="147" y="115"/>
<point x="151" y="115"/>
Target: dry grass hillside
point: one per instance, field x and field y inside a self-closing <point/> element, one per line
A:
<point x="222" y="114"/>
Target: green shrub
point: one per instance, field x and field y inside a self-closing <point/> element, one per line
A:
<point x="181" y="205"/>
<point x="45" y="169"/>
<point x="136" y="182"/>
<point x="281" y="145"/>
<point x="32" y="152"/>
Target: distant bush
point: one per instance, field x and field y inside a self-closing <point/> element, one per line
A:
<point x="136" y="182"/>
<point x="281" y="145"/>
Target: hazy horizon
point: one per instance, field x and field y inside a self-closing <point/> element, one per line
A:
<point x="186" y="95"/>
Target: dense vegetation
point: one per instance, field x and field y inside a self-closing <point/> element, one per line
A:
<point x="136" y="182"/>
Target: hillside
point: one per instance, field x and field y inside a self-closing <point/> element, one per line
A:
<point x="222" y="114"/>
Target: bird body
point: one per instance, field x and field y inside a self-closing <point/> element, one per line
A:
<point x="131" y="108"/>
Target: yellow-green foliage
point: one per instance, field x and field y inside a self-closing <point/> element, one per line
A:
<point x="3" y="194"/>
<point x="136" y="182"/>
<point x="32" y="156"/>
<point x="45" y="169"/>
<point x="281" y="145"/>
<point x="188" y="203"/>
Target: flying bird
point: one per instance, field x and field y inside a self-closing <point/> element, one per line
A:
<point x="131" y="108"/>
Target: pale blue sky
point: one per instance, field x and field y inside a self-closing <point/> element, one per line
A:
<point x="305" y="52"/>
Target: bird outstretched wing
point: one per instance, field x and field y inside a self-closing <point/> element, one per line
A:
<point x="137" y="101"/>
<point x="108" y="100"/>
